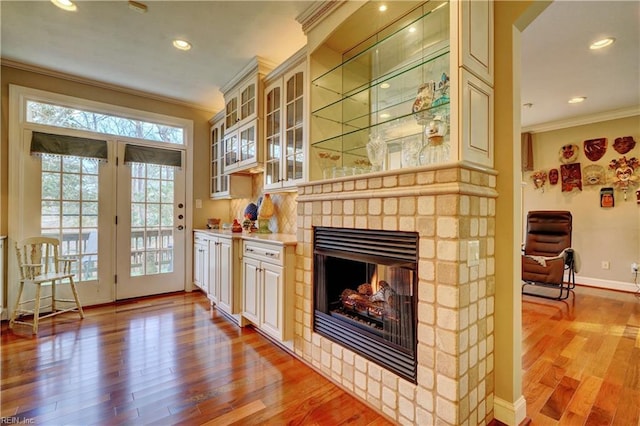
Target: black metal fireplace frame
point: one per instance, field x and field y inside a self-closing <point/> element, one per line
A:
<point x="373" y="246"/>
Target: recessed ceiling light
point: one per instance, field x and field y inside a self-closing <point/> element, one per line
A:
<point x="67" y="5"/>
<point x="385" y="115"/>
<point x="385" y="85"/>
<point x="577" y="99"/>
<point x="181" y="44"/>
<point x="602" y="43"/>
<point x="382" y="7"/>
<point x="412" y="29"/>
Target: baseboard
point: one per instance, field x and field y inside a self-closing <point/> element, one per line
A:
<point x="607" y="284"/>
<point x="510" y="413"/>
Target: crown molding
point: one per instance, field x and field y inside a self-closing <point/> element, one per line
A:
<point x="295" y="59"/>
<point x="583" y="120"/>
<point x="99" y="84"/>
<point x="316" y="12"/>
<point x="256" y="64"/>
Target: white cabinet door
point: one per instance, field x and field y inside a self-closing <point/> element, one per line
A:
<point x="214" y="270"/>
<point x="251" y="293"/>
<point x="272" y="298"/>
<point x="225" y="277"/>
<point x="200" y="262"/>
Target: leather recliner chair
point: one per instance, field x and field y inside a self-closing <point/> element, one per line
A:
<point x="548" y="255"/>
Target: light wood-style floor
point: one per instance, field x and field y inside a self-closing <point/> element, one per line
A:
<point x="163" y="360"/>
<point x="581" y="359"/>
<point x="170" y="360"/>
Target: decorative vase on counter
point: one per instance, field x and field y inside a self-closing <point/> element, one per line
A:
<point x="377" y="152"/>
<point x="265" y="212"/>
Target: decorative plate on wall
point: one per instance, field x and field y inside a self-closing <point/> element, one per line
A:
<point x="594" y="149"/>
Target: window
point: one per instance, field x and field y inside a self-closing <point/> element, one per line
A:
<point x="83" y="119"/>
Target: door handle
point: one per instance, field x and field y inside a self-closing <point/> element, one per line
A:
<point x="180" y="227"/>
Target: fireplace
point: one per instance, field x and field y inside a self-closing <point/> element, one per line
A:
<point x="365" y="294"/>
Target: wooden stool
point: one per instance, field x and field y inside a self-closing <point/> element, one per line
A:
<point x="40" y="264"/>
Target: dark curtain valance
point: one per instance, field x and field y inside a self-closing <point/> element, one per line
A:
<point x="152" y="155"/>
<point x="526" y="143"/>
<point x="50" y="144"/>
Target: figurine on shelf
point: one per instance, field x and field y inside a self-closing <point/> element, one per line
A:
<point x="236" y="227"/>
<point x="436" y="130"/>
<point x="426" y="95"/>
<point x="247" y="223"/>
<point x="443" y="88"/>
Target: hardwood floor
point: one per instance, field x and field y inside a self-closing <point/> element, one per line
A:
<point x="163" y="360"/>
<point x="170" y="360"/>
<point x="581" y="359"/>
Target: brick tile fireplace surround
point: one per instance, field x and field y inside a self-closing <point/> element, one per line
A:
<point x="448" y="206"/>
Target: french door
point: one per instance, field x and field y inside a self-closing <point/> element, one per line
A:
<point x="151" y="236"/>
<point x="79" y="200"/>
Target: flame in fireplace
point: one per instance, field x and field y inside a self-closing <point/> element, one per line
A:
<point x="374" y="281"/>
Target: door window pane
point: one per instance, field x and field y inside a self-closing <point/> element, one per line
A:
<point x="69" y="210"/>
<point x="152" y="219"/>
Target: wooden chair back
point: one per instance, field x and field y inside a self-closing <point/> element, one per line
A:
<point x="38" y="255"/>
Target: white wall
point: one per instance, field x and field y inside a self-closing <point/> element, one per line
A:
<point x="599" y="234"/>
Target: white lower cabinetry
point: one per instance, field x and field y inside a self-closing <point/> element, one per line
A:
<point x="201" y="261"/>
<point x="267" y="270"/>
<point x="224" y="273"/>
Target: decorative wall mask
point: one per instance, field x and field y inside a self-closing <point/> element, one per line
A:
<point x="569" y="153"/>
<point x="553" y="176"/>
<point x="594" y="149"/>
<point x="539" y="178"/>
<point x="571" y="177"/>
<point x="624" y="173"/>
<point x="593" y="175"/>
<point x="606" y="197"/>
<point x="624" y="144"/>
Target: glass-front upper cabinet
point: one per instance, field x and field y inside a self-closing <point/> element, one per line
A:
<point x="272" y="136"/>
<point x="224" y="185"/>
<point x="241" y="104"/>
<point x="285" y="128"/>
<point x="243" y="144"/>
<point x="219" y="181"/>
<point x="383" y="104"/>
<point x="231" y="112"/>
<point x="248" y="101"/>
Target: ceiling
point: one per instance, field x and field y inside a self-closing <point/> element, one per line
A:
<point x="111" y="43"/>
<point x="557" y="63"/>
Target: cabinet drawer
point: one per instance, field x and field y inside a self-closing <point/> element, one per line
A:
<point x="270" y="253"/>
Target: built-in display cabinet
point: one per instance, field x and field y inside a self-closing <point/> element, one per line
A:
<point x="223" y="185"/>
<point x="389" y="101"/>
<point x="285" y="124"/>
<point x="242" y="140"/>
<point x="386" y="104"/>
